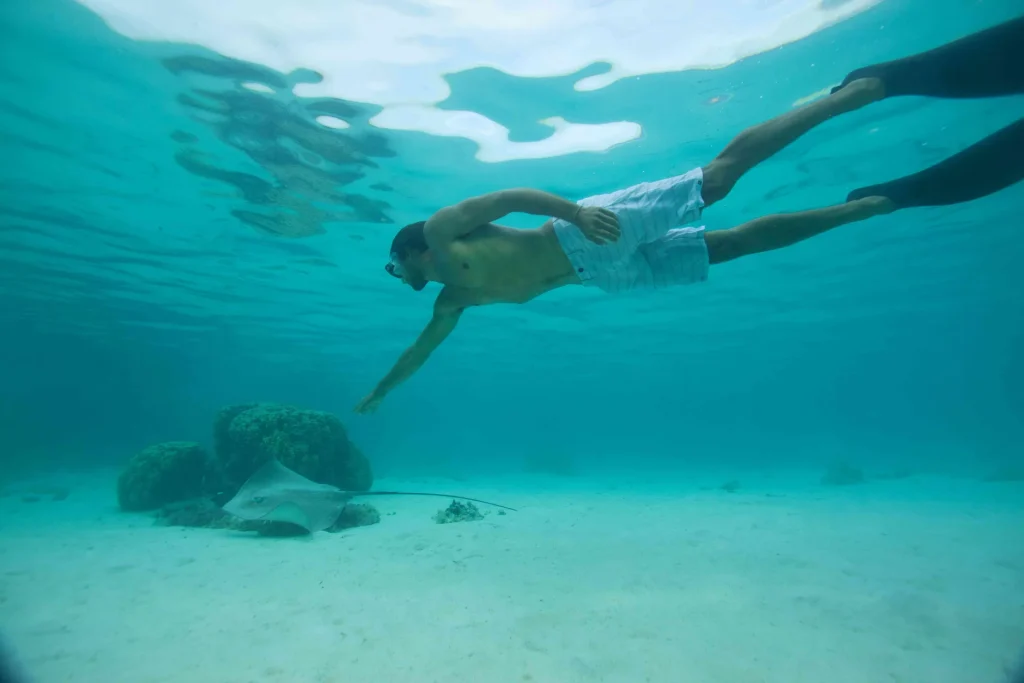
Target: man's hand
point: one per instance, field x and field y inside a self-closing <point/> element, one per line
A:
<point x="369" y="404"/>
<point x="598" y="225"/>
<point x="446" y="314"/>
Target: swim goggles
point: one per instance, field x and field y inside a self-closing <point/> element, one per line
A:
<point x="394" y="268"/>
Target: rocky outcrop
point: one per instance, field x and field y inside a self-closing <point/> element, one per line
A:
<point x="161" y="474"/>
<point x="309" y="442"/>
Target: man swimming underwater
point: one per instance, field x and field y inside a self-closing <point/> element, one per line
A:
<point x="633" y="238"/>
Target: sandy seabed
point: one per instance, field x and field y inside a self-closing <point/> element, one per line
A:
<point x="665" y="580"/>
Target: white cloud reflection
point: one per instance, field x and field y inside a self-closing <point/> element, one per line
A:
<point x="395" y="53"/>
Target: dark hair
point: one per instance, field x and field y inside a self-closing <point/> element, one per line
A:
<point x="409" y="239"/>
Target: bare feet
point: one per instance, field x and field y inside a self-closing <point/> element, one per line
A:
<point x="872" y="206"/>
<point x="859" y="93"/>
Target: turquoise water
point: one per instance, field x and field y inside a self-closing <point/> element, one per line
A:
<point x="178" y="232"/>
<point x="173" y="242"/>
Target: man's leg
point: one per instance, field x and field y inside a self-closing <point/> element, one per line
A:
<point x="984" y="168"/>
<point x="756" y="144"/>
<point x="987" y="63"/>
<point x="783" y="229"/>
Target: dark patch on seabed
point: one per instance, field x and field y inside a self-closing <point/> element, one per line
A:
<point x="307" y="164"/>
<point x="10" y="670"/>
<point x="1016" y="674"/>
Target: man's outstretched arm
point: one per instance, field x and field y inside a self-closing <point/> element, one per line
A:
<point x="452" y="222"/>
<point x="441" y="324"/>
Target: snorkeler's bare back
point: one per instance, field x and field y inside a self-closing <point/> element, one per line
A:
<point x="495" y="264"/>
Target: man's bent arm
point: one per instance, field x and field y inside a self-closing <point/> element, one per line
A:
<point x="455" y="221"/>
<point x="437" y="330"/>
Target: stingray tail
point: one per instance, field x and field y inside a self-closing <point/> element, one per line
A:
<point x="439" y="495"/>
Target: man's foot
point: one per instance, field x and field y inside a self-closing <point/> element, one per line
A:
<point x="859" y="93"/>
<point x="872" y="206"/>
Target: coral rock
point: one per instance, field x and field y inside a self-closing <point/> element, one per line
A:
<point x="458" y="511"/>
<point x="355" y="514"/>
<point x="309" y="442"/>
<point x="161" y="474"/>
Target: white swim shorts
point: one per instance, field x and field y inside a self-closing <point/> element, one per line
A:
<point x="653" y="250"/>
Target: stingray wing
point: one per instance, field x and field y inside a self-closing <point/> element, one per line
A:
<point x="291" y="513"/>
<point x="276" y="493"/>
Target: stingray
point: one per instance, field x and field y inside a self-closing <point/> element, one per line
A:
<point x="276" y="493"/>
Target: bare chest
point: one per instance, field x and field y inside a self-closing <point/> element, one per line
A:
<point x="506" y="262"/>
<point x="503" y="265"/>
